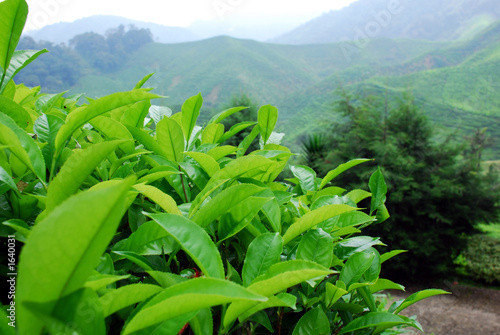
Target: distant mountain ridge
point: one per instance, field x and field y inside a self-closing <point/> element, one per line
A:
<point x="436" y="20"/>
<point x="455" y="81"/>
<point x="246" y="28"/>
<point x="64" y="31"/>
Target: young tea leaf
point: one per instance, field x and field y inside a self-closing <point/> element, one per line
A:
<point x="81" y="238"/>
<point x="194" y="241"/>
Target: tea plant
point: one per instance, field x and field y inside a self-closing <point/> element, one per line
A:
<point x="132" y="230"/>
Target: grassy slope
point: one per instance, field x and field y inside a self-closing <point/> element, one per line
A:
<point x="456" y="83"/>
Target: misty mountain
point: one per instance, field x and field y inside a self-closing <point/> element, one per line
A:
<point x="62" y="32"/>
<point x="246" y="28"/>
<point x="436" y="20"/>
<point x="301" y="80"/>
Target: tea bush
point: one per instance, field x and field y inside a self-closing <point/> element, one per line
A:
<point x="138" y="225"/>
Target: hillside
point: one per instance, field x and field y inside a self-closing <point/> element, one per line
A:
<point x="64" y="31"/>
<point x="454" y="82"/>
<point x="424" y="19"/>
<point x="222" y="66"/>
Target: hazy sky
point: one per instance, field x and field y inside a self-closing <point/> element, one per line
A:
<point x="177" y="12"/>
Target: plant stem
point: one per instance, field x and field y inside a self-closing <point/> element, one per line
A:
<point x="183" y="186"/>
<point x="280" y="320"/>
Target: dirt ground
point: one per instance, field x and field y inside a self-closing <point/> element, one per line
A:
<point x="467" y="311"/>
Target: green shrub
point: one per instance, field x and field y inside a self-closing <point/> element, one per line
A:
<point x="481" y="259"/>
<point x="126" y="229"/>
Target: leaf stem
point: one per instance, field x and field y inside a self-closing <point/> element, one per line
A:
<point x="183" y="186"/>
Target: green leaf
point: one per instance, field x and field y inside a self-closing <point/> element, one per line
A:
<point x="339" y="169"/>
<point x="114" y="129"/>
<point x="157" y="173"/>
<point x="378" y="188"/>
<point x="264" y="251"/>
<point x="186" y="297"/>
<point x="314" y="217"/>
<point x="224" y="114"/>
<point x="378" y="320"/>
<point x="207" y="162"/>
<point x="19" y="60"/>
<point x="143" y="81"/>
<point x="134" y="115"/>
<point x="355" y="267"/>
<point x="267" y="118"/>
<point x="224" y="201"/>
<point x="116" y="164"/>
<point x="385" y="284"/>
<point x="279" y="300"/>
<point x="19" y="225"/>
<point x="76" y="170"/>
<point x="149" y="239"/>
<point x="263" y="319"/>
<point x="100" y="281"/>
<point x="171" y="326"/>
<point x="352" y="219"/>
<point x="139" y="260"/>
<point x="10" y="89"/>
<point x="127" y="295"/>
<point x="279" y="277"/>
<point x="22" y="146"/>
<point x="333" y="294"/>
<point x="166" y="279"/>
<point x="416" y="297"/>
<point x="316" y="246"/>
<point x="272" y="211"/>
<point x="332" y="191"/>
<point x="235" y="129"/>
<point x="247" y="141"/>
<point x="212" y="133"/>
<point x="170" y="138"/>
<point x="202" y="323"/>
<point x="348" y="247"/>
<point x="79" y="117"/>
<point x="165" y="201"/>
<point x="7" y="179"/>
<point x="147" y="140"/>
<point x="14" y="14"/>
<point x="371" y="275"/>
<point x="46" y="128"/>
<point x="306" y="177"/>
<point x="194" y="241"/>
<point x="45" y="102"/>
<point x="314" y="322"/>
<point x="190" y="112"/>
<point x="79" y="312"/>
<point x="17" y="113"/>
<point x="158" y="113"/>
<point x="81" y="238"/>
<point x="222" y="151"/>
<point x="390" y="254"/>
<point x="358" y="195"/>
<point x="239" y="216"/>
